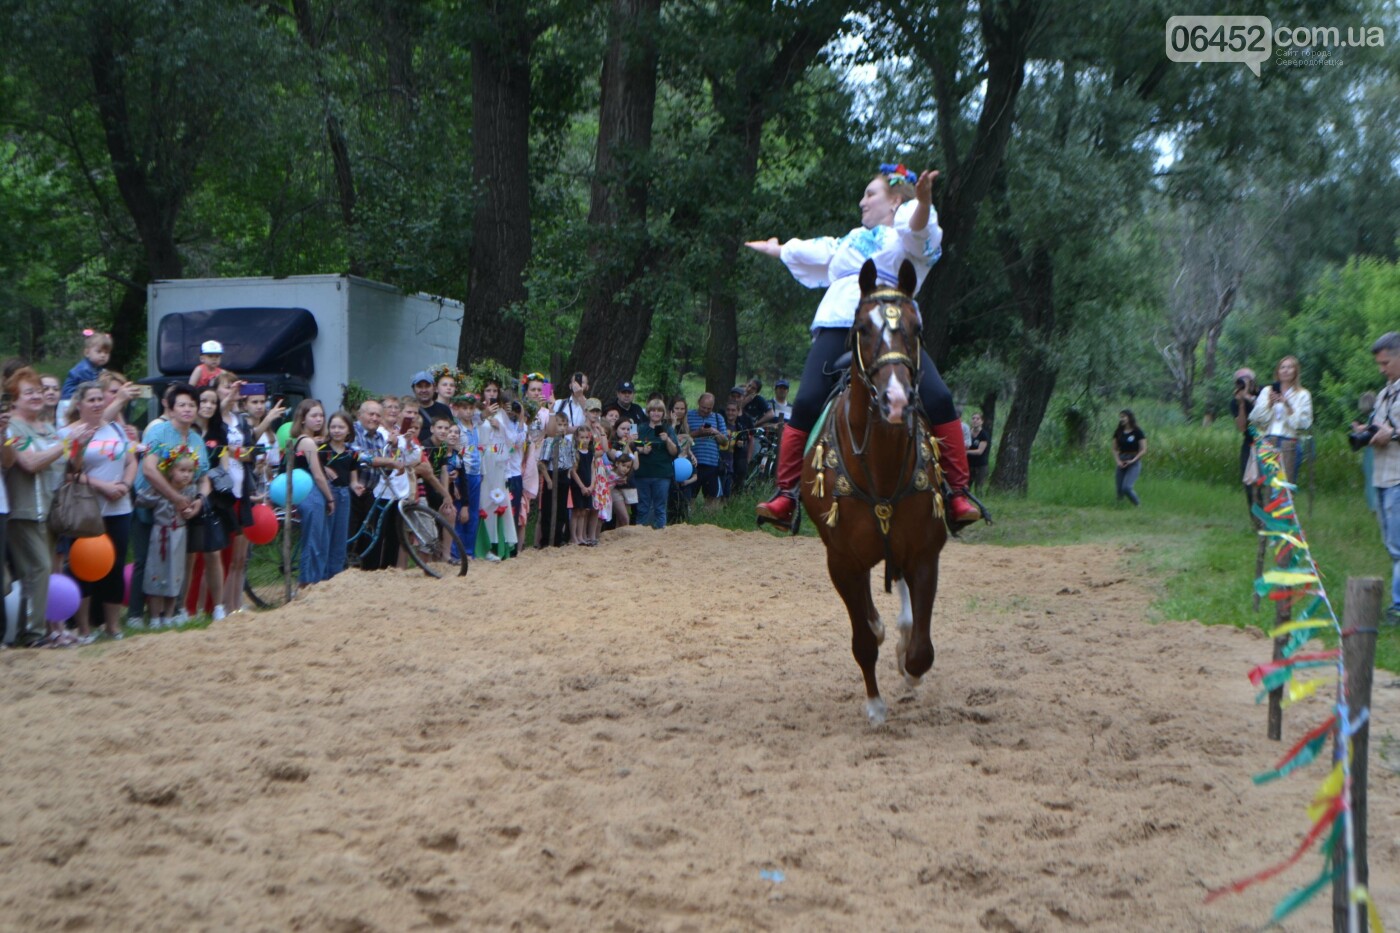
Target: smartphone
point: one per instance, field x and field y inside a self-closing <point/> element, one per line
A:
<point x="253" y="388"/>
<point x="407" y="424"/>
<point x="144" y="391"/>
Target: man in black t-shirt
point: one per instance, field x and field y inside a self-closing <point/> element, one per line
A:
<point x="626" y="403"/>
<point x="755" y="405"/>
<point x="979" y="453"/>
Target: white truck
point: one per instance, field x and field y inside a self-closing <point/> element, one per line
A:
<point x="305" y="336"/>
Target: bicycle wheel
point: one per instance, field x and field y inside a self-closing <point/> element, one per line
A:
<point x="420" y="534"/>
<point x="264" y="581"/>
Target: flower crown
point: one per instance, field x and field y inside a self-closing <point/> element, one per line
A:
<point x="446" y="369"/>
<point x="487" y="371"/>
<point x="898" y="174"/>
<point x="174" y="456"/>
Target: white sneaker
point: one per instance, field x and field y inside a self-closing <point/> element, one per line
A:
<point x="218" y="614"/>
<point x="159" y="622"/>
<point x="493" y="557"/>
<point x="180" y="618"/>
<point x="136" y="623"/>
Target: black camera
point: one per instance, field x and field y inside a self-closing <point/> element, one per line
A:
<point x="1359" y="439"/>
<point x="1240" y="383"/>
<point x="515" y="407"/>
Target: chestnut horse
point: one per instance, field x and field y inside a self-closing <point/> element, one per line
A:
<point x="872" y="484"/>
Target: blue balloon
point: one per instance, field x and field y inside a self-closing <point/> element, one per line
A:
<point x="683" y="469"/>
<point x="301" y="488"/>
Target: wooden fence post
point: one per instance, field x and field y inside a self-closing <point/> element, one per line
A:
<point x="1283" y="613"/>
<point x="1360" y="622"/>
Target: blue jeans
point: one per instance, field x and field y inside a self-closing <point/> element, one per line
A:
<point x="1124" y="479"/>
<point x="651" y="500"/>
<point x="339" y="533"/>
<point x="315" y="537"/>
<point x="1388" y="511"/>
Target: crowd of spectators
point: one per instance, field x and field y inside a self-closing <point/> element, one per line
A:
<point x="487" y="451"/>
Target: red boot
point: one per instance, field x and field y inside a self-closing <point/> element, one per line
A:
<point x="780" y="509"/>
<point x="952" y="455"/>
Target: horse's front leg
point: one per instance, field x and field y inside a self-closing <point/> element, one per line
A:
<point x="904" y="626"/>
<point x="919" y="588"/>
<point x="854" y="587"/>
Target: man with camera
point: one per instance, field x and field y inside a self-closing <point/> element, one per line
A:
<point x="1382" y="434"/>
<point x="1241" y="404"/>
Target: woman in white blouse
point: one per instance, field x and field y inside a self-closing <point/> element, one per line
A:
<point x="1283" y="411"/>
<point x="898" y="223"/>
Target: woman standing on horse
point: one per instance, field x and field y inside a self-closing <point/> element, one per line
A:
<point x="897" y="223"/>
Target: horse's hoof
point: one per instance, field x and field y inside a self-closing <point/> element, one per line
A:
<point x="875" y="711"/>
<point x="911" y="681"/>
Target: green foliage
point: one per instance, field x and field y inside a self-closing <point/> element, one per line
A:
<point x="353" y="395"/>
<point x="1341" y="317"/>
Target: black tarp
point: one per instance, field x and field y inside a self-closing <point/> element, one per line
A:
<point x="256" y="340"/>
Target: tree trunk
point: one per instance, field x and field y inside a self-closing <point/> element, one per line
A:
<point x="153" y="202"/>
<point x="1006" y="31"/>
<point x="1036" y="372"/>
<point x="129" y="325"/>
<point x="615" y="325"/>
<point x="1186" y="360"/>
<point x="989" y="413"/>
<point x="501" y="169"/>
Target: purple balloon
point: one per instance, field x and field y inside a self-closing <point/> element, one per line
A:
<point x="64" y="598"/>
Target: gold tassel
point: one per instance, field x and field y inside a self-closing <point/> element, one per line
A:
<point x="831" y="516"/>
<point x="938" y="505"/>
<point x="818" y="455"/>
<point x="819" y="484"/>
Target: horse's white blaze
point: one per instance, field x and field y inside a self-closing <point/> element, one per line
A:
<point x="877" y="317"/>
<point x="895" y="396"/>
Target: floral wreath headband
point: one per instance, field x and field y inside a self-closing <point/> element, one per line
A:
<point x="444" y="369"/>
<point x="898" y="174"/>
<point x="175" y="455"/>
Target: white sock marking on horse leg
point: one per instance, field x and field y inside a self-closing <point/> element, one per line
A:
<point x="904" y="623"/>
<point x="878" y="628"/>
<point x="875" y="711"/>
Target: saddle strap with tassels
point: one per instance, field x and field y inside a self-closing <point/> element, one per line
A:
<point x="925" y="476"/>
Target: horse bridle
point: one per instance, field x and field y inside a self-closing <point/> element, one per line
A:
<point x="889" y="301"/>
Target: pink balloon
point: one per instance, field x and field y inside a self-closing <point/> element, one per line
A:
<point x="64" y="597"/>
<point x="126" y="592"/>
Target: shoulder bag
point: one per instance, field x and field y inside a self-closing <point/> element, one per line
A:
<point x="77" y="508"/>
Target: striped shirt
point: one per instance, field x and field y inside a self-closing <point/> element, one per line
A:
<point x="1387" y="412"/>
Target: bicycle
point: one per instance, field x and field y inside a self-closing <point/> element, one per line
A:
<point x="264" y="579"/>
<point x="417" y="527"/>
<point x="419" y="530"/>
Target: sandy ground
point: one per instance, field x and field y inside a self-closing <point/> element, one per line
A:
<point x="634" y="733"/>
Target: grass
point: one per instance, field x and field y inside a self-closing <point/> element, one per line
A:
<point x="1191" y="542"/>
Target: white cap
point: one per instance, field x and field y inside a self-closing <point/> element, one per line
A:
<point x="211" y="346"/>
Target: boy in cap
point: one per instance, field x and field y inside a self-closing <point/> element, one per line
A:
<point x="211" y="354"/>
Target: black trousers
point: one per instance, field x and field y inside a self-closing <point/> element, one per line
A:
<point x="554" y="510"/>
<point x="827" y="345"/>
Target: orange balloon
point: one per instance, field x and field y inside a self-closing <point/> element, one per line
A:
<point x="91" y="559"/>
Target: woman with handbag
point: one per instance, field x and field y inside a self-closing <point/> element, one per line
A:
<point x="109" y="464"/>
<point x="39" y="461"/>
